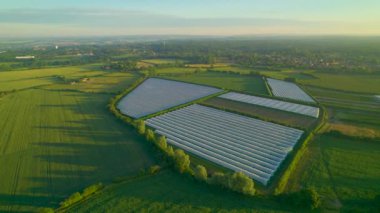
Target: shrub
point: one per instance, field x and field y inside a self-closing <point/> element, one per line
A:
<point x="92" y="189"/>
<point x="182" y="160"/>
<point x="72" y="199"/>
<point x="154" y="169"/>
<point x="200" y="173"/>
<point x="46" y="210"/>
<point x="162" y="144"/>
<point x="219" y="178"/>
<point x="304" y="199"/>
<point x="240" y="182"/>
<point x="141" y="127"/>
<point x="150" y="135"/>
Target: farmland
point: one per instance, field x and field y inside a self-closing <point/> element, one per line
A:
<point x="288" y="90"/>
<point x="247" y="144"/>
<point x="155" y="95"/>
<point x="275" y="104"/>
<point x="56" y="139"/>
<point x="250" y="84"/>
<point x="58" y="136"/>
<point x="263" y="113"/>
<point x="344" y="169"/>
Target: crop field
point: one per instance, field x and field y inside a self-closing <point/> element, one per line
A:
<point x="252" y="146"/>
<point x="160" y="61"/>
<point x="346" y="82"/>
<point x="272" y="103"/>
<point x="56" y="141"/>
<point x="155" y="95"/>
<point x="345" y="170"/>
<point x="10" y="80"/>
<point x="263" y="113"/>
<point x="169" y="191"/>
<point x="288" y="90"/>
<point x="250" y="84"/>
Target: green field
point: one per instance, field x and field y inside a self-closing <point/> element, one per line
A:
<point x="346" y="82"/>
<point x="56" y="140"/>
<point x="169" y="191"/>
<point x="160" y="61"/>
<point x="250" y="84"/>
<point x="342" y="169"/>
<point x="11" y="80"/>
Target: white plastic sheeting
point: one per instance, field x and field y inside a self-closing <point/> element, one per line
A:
<point x="275" y="104"/>
<point x="237" y="142"/>
<point x="155" y="95"/>
<point x="288" y="90"/>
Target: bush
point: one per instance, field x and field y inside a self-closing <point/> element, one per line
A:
<point x="71" y="200"/>
<point x="219" y="178"/>
<point x="162" y="144"/>
<point x="240" y="182"/>
<point x="141" y="127"/>
<point x="150" y="136"/>
<point x="154" y="169"/>
<point x="182" y="161"/>
<point x="200" y="173"/>
<point x="304" y="199"/>
<point x="46" y="210"/>
<point x="92" y="189"/>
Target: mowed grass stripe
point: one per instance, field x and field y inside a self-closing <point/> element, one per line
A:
<point x="61" y="142"/>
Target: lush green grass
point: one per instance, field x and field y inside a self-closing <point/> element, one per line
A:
<point x="169" y="191"/>
<point x="30" y="78"/>
<point x="344" y="170"/>
<point x="346" y="82"/>
<point x="160" y="61"/>
<point x="55" y="141"/>
<point x="244" y="83"/>
<point x="110" y="83"/>
<point x="177" y="70"/>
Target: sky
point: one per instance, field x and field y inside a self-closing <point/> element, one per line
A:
<point x="23" y="18"/>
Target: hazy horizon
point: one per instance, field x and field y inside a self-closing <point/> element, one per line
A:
<point x="41" y="18"/>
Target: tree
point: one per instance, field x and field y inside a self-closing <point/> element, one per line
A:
<point x="170" y="151"/>
<point x="201" y="173"/>
<point x="240" y="182"/>
<point x="162" y="144"/>
<point x="306" y="198"/>
<point x="182" y="160"/>
<point x="219" y="178"/>
<point x="150" y="135"/>
<point x="141" y="127"/>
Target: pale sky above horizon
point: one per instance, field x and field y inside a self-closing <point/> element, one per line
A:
<point x="185" y="17"/>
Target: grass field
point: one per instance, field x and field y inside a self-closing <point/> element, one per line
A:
<point x="169" y="191"/>
<point x="250" y="84"/>
<point x="344" y="170"/>
<point x="160" y="61"/>
<point x="346" y="82"/>
<point x="11" y="80"/>
<point x="263" y="113"/>
<point x="56" y="140"/>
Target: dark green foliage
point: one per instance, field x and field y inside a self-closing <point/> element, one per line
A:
<point x="71" y="200"/>
<point x="182" y="161"/>
<point x="200" y="173"/>
<point x="304" y="199"/>
<point x="150" y="136"/>
<point x="92" y="189"/>
<point x="141" y="127"/>
<point x="154" y="169"/>
<point x="219" y="178"/>
<point x="161" y="143"/>
<point x="240" y="182"/>
<point x="46" y="210"/>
